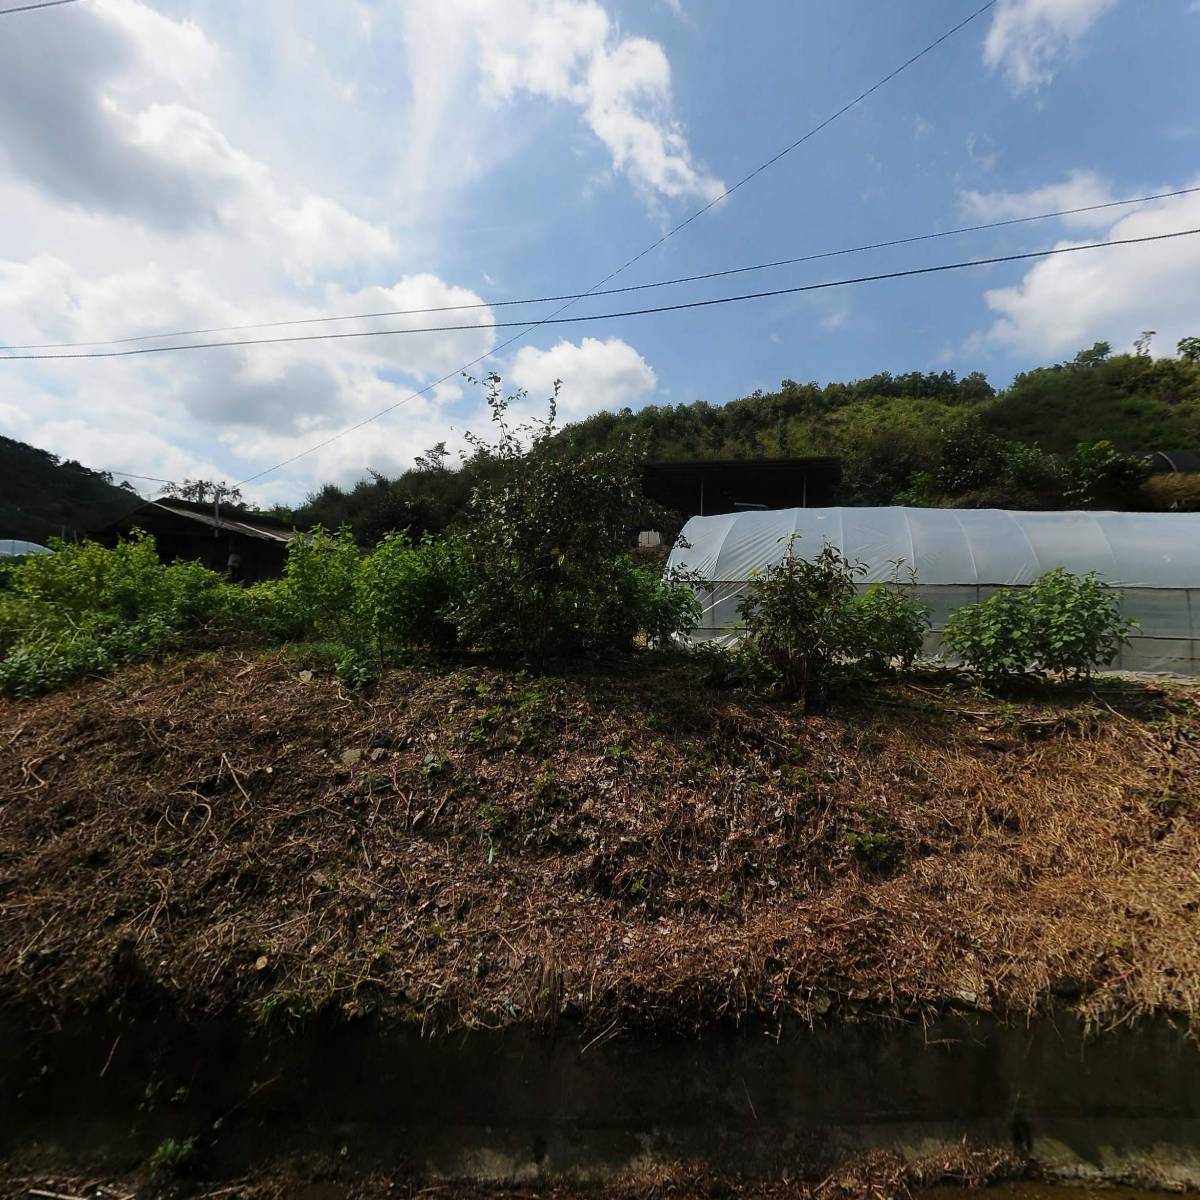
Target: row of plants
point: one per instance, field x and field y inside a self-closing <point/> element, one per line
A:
<point x="538" y="569"/>
<point x="810" y="628"/>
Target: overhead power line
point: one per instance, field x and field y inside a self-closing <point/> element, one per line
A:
<point x="633" y="287"/>
<point x="7" y="12"/>
<point x="624" y="266"/>
<point x="610" y="316"/>
<point x="758" y="170"/>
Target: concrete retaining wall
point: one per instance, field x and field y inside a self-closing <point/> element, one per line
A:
<point x="521" y="1104"/>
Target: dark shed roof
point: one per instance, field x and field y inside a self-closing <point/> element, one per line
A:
<point x="255" y="525"/>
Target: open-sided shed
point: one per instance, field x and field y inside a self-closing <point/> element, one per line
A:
<point x="961" y="556"/>
<point x="248" y="546"/>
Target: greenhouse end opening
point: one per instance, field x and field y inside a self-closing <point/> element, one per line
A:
<point x="960" y="557"/>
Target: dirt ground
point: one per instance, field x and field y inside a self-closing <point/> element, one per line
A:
<point x="466" y="845"/>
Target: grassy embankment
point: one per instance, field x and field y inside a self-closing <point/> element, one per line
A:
<point x="472" y="846"/>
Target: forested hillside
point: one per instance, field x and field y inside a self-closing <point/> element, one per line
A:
<point x="42" y="497"/>
<point x="1062" y="436"/>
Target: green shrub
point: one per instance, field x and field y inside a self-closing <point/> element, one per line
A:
<point x="321" y="584"/>
<point x="654" y="605"/>
<point x="399" y="594"/>
<point x="808" y="626"/>
<point x="1099" y="476"/>
<point x="86" y="608"/>
<point x="991" y="638"/>
<point x="545" y="570"/>
<point x="407" y="590"/>
<point x="173" y="1159"/>
<point x="1062" y="624"/>
<point x="1075" y="623"/>
<point x="889" y="626"/>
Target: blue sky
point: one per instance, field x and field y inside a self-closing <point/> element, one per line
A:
<point x="205" y="163"/>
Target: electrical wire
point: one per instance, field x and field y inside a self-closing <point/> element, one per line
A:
<point x="134" y="475"/>
<point x="624" y="266"/>
<point x="6" y="12"/>
<point x="610" y="316"/>
<point x="635" y="287"/>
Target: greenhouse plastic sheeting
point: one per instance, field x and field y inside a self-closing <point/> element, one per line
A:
<point x="14" y="547"/>
<point x="960" y="556"/>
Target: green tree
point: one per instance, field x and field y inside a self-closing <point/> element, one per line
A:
<point x="807" y="625"/>
<point x="206" y="491"/>
<point x="1099" y="476"/>
<point x="545" y="570"/>
<point x="1097" y="354"/>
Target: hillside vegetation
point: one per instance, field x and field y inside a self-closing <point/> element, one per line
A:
<point x="931" y="438"/>
<point x="42" y="497"/>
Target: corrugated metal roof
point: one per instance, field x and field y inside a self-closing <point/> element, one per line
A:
<point x="233" y="523"/>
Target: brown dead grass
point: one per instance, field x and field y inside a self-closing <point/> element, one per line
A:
<point x="876" y="1175"/>
<point x="476" y="847"/>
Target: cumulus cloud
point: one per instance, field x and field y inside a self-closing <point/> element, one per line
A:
<point x="185" y="412"/>
<point x="571" y="50"/>
<point x="1029" y="39"/>
<point x="94" y="137"/>
<point x="1078" y="190"/>
<point x="1072" y="300"/>
<point x="595" y="375"/>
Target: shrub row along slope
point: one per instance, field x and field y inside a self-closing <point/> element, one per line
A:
<point x="464" y="846"/>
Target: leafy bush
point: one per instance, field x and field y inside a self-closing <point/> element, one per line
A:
<point x="1074" y="622"/>
<point x="889" y="625"/>
<point x="321" y="584"/>
<point x="545" y="570"/>
<point x="398" y="594"/>
<point x="1062" y="624"/>
<point x="807" y="624"/>
<point x="993" y="637"/>
<point x="652" y="605"/>
<point x="407" y="589"/>
<point x="173" y="1159"/>
<point x="1099" y="476"/>
<point x="87" y="608"/>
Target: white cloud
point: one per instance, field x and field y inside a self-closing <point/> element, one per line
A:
<point x="1072" y="300"/>
<point x="109" y="136"/>
<point x="1029" y="39"/>
<point x="921" y="128"/>
<point x="242" y="197"/>
<point x="186" y="411"/>
<point x="571" y="50"/>
<point x="596" y="375"/>
<point x="984" y="159"/>
<point x="1079" y="190"/>
<point x="176" y="50"/>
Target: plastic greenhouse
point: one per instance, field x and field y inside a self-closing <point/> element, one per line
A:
<point x="961" y="556"/>
<point x="14" y="547"/>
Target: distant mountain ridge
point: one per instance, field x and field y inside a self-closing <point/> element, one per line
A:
<point x="916" y="438"/>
